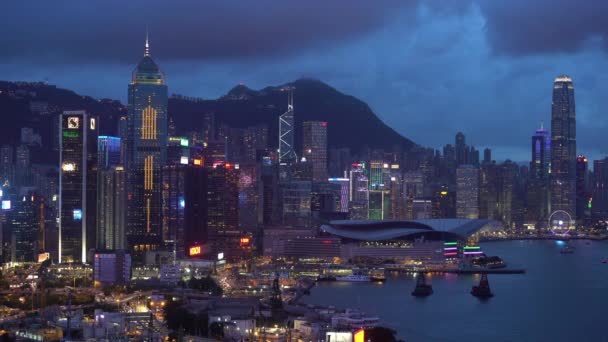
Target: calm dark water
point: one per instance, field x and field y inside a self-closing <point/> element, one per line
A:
<point x="562" y="297"/>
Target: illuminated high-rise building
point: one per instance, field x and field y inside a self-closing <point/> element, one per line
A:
<point x="287" y="154"/>
<point x="146" y="154"/>
<point x="7" y="165"/>
<point x="358" y="192"/>
<point x="77" y="186"/>
<point x="111" y="208"/>
<point x="315" y="148"/>
<point x="184" y="206"/>
<point x="344" y="194"/>
<point x="583" y="196"/>
<point x="563" y="147"/>
<point x="538" y="189"/>
<point x="467" y="192"/>
<point x="599" y="202"/>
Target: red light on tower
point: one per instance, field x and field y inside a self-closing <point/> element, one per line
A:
<point x="324" y="124"/>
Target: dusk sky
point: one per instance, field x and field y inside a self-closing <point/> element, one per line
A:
<point x="427" y="68"/>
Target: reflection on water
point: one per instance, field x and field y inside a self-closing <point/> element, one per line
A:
<point x="560" y="298"/>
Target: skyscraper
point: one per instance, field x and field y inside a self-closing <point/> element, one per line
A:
<point x="582" y="194"/>
<point x="460" y="149"/>
<point x="184" y="206"/>
<point x="77" y="185"/>
<point x="146" y="154"/>
<point x="599" y="205"/>
<point x="467" y="192"/>
<point x="563" y="147"/>
<point x="538" y="188"/>
<point x="287" y="154"/>
<point x="358" y="192"/>
<point x="111" y="208"/>
<point x="315" y="148"/>
<point x="7" y="165"/>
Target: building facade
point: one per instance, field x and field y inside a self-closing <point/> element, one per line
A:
<point x="146" y="154"/>
<point x="563" y="147"/>
<point x="467" y="192"/>
<point x="315" y="148"/>
<point x="77" y="186"/>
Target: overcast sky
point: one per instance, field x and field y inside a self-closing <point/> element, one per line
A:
<point x="428" y="68"/>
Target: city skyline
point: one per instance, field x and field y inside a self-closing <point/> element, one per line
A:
<point x="488" y="55"/>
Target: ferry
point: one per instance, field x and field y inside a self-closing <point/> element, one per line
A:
<point x="357" y="276"/>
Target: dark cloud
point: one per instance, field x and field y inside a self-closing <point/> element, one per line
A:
<point x="522" y="27"/>
<point x="109" y="31"/>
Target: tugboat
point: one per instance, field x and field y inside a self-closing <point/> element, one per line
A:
<point x="422" y="288"/>
<point x="483" y="289"/>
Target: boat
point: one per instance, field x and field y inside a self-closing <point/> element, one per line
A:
<point x="422" y="289"/>
<point x="483" y="289"/>
<point x="605" y="261"/>
<point x="357" y="276"/>
<point x="326" y="277"/>
<point x="377" y="275"/>
<point x="567" y="250"/>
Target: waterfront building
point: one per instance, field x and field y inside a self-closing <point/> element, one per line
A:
<point x="146" y="154"/>
<point x="467" y="192"/>
<point x="563" y="147"/>
<point x="315" y="148"/>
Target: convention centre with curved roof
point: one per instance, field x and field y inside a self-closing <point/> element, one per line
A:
<point x="381" y="230"/>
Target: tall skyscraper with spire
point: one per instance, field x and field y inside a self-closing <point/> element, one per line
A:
<point x="146" y="153"/>
<point x="563" y="146"/>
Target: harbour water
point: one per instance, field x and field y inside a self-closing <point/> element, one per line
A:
<point x="562" y="297"/>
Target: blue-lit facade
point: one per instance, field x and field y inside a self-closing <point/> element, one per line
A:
<point x="108" y="151"/>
